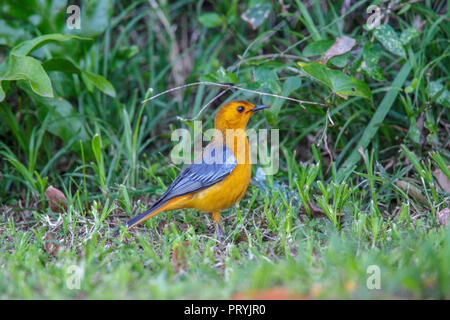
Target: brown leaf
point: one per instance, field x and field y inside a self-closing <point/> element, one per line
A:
<point x="442" y="179"/>
<point x="412" y="191"/>
<point x="242" y="237"/>
<point x="315" y="210"/>
<point x="443" y="216"/>
<point x="318" y="212"/>
<point x="178" y="259"/>
<point x="340" y="46"/>
<point x="276" y="293"/>
<point x="56" y="199"/>
<point x="51" y="245"/>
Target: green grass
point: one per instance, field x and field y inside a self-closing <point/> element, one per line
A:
<point x="362" y="180"/>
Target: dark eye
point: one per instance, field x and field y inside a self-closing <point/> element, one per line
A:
<point x="240" y="109"/>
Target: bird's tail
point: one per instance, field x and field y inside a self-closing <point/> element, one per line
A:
<point x="153" y="211"/>
<point x="158" y="207"/>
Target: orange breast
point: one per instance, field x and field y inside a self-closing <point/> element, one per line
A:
<point x="230" y="190"/>
<point x="224" y="194"/>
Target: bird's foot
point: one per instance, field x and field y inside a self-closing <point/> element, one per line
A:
<point x="220" y="235"/>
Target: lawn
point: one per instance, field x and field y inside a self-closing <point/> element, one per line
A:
<point x="92" y="96"/>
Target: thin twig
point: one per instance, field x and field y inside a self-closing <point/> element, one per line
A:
<point x="272" y="56"/>
<point x="401" y="5"/>
<point x="203" y="108"/>
<point x="232" y="87"/>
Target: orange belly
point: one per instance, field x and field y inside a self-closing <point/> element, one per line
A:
<point x="223" y="194"/>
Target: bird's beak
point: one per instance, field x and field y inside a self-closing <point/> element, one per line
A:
<point x="259" y="107"/>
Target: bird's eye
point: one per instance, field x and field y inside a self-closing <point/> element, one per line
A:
<point x="240" y="109"/>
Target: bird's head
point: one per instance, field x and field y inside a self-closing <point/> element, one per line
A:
<point x="235" y="115"/>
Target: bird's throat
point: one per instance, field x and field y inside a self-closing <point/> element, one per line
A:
<point x="236" y="140"/>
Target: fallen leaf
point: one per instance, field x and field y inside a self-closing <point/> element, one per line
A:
<point x="442" y="179"/>
<point x="57" y="200"/>
<point x="276" y="293"/>
<point x="315" y="210"/>
<point x="443" y="216"/>
<point x="178" y="259"/>
<point x="411" y="190"/>
<point x="340" y="46"/>
<point x="51" y="245"/>
<point x="318" y="212"/>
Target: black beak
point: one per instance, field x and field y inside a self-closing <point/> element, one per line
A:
<point x="259" y="107"/>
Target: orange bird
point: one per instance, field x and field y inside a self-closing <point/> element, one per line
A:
<point x="220" y="176"/>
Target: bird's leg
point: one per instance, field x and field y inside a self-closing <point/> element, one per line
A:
<point x="219" y="232"/>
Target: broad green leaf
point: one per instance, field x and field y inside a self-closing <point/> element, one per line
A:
<point x="256" y="15"/>
<point x="61" y="64"/>
<point x="436" y="90"/>
<point x="18" y="66"/>
<point x="317" y="48"/>
<point x="339" y="82"/>
<point x="371" y="56"/>
<point x="340" y="61"/>
<point x="28" y="46"/>
<point x="95" y="18"/>
<point x="210" y="20"/>
<point x="289" y="85"/>
<point x="408" y="34"/>
<point x="220" y="76"/>
<point x="92" y="79"/>
<point x="390" y="40"/>
<point x="64" y="122"/>
<point x="28" y="69"/>
<point x="268" y="78"/>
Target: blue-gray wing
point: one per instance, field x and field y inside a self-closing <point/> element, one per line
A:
<point x="216" y="163"/>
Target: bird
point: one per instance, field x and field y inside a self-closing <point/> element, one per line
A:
<point x="220" y="176"/>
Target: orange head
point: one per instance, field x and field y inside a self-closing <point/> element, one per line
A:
<point x="235" y="115"/>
